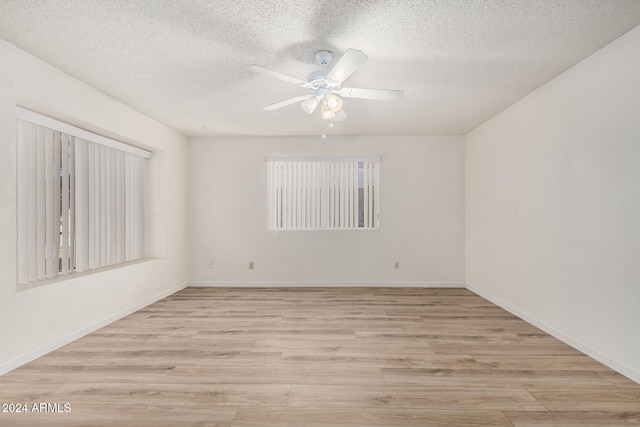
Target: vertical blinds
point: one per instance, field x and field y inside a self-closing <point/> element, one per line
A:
<point x="323" y="193"/>
<point x="80" y="202"/>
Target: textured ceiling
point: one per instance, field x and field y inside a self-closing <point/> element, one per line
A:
<point x="183" y="62"/>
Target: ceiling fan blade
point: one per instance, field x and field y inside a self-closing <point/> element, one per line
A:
<point x="347" y="65"/>
<point x="340" y="116"/>
<point x="286" y="102"/>
<point x="377" y="94"/>
<point x="267" y="72"/>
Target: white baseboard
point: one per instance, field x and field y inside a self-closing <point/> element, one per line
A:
<point x="41" y="351"/>
<point x="298" y="284"/>
<point x="605" y="359"/>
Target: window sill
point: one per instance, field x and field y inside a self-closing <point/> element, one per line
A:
<point x="65" y="277"/>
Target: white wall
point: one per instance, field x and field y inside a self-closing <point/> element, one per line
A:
<point x="39" y="319"/>
<point x="553" y="206"/>
<point x="421" y="214"/>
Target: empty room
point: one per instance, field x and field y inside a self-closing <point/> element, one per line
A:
<point x="318" y="213"/>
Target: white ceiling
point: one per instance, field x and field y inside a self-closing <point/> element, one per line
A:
<point x="183" y="62"/>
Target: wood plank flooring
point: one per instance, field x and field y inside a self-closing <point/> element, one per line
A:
<point x="318" y="357"/>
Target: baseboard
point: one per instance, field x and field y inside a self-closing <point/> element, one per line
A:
<point x="299" y="284"/>
<point x="605" y="359"/>
<point x="41" y="351"/>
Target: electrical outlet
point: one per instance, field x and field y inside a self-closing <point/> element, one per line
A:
<point x="397" y="265"/>
<point x="250" y="265"/>
<point x="210" y="264"/>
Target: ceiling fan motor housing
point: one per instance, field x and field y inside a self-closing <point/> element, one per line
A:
<point x="318" y="80"/>
<point x="321" y="84"/>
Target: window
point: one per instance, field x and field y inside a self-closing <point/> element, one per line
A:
<point x="323" y="193"/>
<point x="80" y="199"/>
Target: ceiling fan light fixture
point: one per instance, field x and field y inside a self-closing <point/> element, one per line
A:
<point x="327" y="114"/>
<point x="334" y="102"/>
<point x="309" y="105"/>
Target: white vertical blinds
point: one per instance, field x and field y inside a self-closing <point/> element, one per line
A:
<point x="80" y="202"/>
<point x="323" y="193"/>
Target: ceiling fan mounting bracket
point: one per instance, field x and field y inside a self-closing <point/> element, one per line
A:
<point x="324" y="57"/>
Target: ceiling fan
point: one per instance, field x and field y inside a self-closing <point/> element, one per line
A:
<point x="326" y="86"/>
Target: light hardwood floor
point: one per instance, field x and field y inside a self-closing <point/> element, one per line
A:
<point x="320" y="356"/>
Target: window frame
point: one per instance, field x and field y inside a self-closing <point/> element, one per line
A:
<point x="53" y="246"/>
<point x="323" y="192"/>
